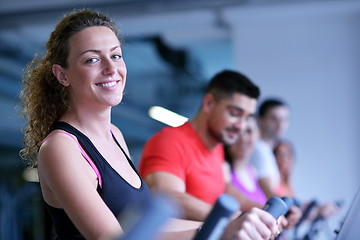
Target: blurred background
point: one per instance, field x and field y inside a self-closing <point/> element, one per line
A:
<point x="305" y="52"/>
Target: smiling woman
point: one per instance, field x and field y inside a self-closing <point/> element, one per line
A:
<point x="67" y="99"/>
<point x="86" y="175"/>
<point x="41" y="86"/>
<point x="95" y="64"/>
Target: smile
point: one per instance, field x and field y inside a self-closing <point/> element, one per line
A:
<point x="108" y="84"/>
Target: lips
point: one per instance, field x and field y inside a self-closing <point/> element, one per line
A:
<point x="233" y="132"/>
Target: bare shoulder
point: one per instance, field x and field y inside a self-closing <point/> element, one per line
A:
<point x="57" y="149"/>
<point x="62" y="169"/>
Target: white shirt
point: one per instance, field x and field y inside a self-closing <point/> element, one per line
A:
<point x="263" y="159"/>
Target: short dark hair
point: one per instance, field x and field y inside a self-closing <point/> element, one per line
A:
<point x="224" y="84"/>
<point x="269" y="103"/>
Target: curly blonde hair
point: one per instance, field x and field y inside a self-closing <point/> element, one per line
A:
<point x="43" y="98"/>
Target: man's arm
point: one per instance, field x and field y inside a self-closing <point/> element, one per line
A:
<point x="192" y="207"/>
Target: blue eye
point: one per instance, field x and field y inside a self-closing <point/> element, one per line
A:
<point x="117" y="56"/>
<point x="91" y="60"/>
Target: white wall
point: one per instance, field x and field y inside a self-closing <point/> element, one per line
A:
<point x="306" y="53"/>
<point x="309" y="56"/>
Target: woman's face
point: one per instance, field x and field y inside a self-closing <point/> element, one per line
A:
<point x="246" y="142"/>
<point x="96" y="72"/>
<point x="284" y="158"/>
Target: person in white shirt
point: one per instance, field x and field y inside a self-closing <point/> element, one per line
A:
<point x="273" y="121"/>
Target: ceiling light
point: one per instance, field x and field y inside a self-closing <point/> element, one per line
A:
<point x="166" y="116"/>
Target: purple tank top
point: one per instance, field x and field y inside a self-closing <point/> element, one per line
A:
<point x="257" y="195"/>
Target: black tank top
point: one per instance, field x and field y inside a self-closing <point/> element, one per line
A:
<point x="116" y="192"/>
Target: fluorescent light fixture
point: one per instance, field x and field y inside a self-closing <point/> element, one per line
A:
<point x="166" y="116"/>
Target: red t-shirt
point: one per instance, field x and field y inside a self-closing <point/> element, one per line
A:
<point x="180" y="151"/>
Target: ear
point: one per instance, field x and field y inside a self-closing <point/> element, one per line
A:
<point x="208" y="102"/>
<point x="59" y="73"/>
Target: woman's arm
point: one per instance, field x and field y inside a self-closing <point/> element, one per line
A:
<point x="68" y="182"/>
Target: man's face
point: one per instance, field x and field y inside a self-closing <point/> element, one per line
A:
<point x="275" y="122"/>
<point x="227" y="117"/>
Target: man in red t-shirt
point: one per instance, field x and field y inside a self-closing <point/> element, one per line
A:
<point x="187" y="161"/>
<point x="180" y="151"/>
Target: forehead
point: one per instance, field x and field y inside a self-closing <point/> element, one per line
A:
<point x="241" y="102"/>
<point x="93" y="38"/>
<point x="284" y="147"/>
<point x="278" y="111"/>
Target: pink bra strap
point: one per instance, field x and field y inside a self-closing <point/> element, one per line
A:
<point x="83" y="152"/>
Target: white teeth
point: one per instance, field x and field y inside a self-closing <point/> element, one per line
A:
<point x="109" y="84"/>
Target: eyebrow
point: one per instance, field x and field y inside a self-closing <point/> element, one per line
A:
<point x="236" y="108"/>
<point x="240" y="109"/>
<point x="97" y="51"/>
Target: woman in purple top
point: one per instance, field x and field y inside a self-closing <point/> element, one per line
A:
<point x="242" y="175"/>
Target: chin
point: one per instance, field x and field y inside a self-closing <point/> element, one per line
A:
<point x="115" y="102"/>
<point x="228" y="142"/>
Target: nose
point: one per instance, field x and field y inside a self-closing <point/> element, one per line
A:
<point x="240" y="124"/>
<point x="109" y="67"/>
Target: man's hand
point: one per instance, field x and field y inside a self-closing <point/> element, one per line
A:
<point x="293" y="217"/>
<point x="256" y="224"/>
